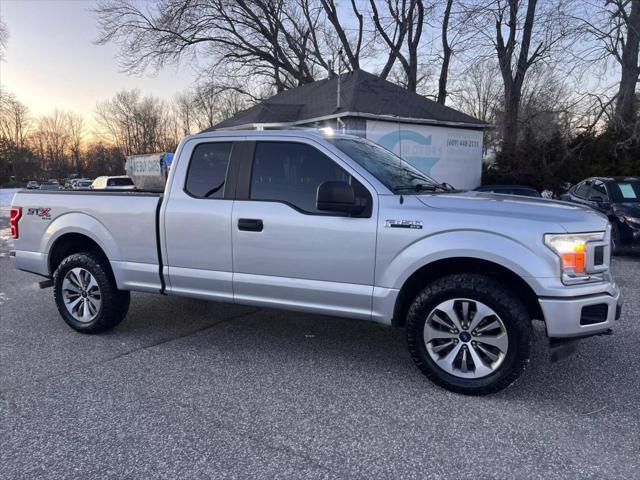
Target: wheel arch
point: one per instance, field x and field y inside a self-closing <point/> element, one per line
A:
<point x="70" y="243"/>
<point x="439" y="268"/>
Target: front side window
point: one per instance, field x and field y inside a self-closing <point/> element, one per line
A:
<point x="208" y="170"/>
<point x="291" y="173"/>
<point x="626" y="191"/>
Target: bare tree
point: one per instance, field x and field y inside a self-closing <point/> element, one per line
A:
<point x="53" y="140"/>
<point x="627" y="98"/>
<point x="401" y="27"/>
<point x="136" y="124"/>
<point x="352" y="53"/>
<point x="76" y="135"/>
<point x="479" y="91"/>
<point x="267" y="38"/>
<point x="446" y="53"/>
<point x="523" y="37"/>
<point x="183" y="107"/>
<point x="15" y="124"/>
<point x="611" y="36"/>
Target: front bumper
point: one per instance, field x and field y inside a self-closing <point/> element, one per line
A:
<point x="581" y="316"/>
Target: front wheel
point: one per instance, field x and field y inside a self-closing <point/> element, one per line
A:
<point x="86" y="294"/>
<point x="469" y="334"/>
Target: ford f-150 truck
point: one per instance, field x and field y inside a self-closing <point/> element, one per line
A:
<point x="335" y="225"/>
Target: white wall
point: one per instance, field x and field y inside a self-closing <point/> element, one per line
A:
<point x="451" y="155"/>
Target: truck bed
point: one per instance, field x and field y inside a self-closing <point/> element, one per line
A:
<point x="123" y="224"/>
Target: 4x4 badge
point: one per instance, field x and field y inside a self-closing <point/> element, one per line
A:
<point x="403" y="224"/>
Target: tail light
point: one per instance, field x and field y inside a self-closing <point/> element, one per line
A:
<point x="16" y="215"/>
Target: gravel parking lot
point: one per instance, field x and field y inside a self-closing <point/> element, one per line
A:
<point x="189" y="389"/>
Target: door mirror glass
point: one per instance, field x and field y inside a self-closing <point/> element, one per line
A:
<point x="337" y="197"/>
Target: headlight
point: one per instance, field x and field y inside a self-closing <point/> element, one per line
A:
<point x="632" y="220"/>
<point x="571" y="248"/>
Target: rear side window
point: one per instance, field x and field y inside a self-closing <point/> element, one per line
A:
<point x="291" y="173"/>
<point x="119" y="182"/>
<point x="208" y="170"/>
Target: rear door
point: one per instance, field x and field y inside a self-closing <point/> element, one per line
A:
<point x="288" y="253"/>
<point x="197" y="222"/>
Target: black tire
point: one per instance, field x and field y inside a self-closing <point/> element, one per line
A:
<point x="114" y="303"/>
<point x="495" y="295"/>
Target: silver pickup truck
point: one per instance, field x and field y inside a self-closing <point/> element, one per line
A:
<point x="333" y="225"/>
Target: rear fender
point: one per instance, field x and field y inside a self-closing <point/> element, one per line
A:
<point x="83" y="224"/>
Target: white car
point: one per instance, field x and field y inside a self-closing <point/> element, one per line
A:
<point x="113" y="183"/>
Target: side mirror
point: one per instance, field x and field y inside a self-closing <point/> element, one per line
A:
<point x="337" y="197"/>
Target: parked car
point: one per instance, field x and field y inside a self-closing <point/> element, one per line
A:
<point x="619" y="199"/>
<point x="81" y="184"/>
<point x="33" y="185"/>
<point x="510" y="190"/>
<point x="113" y="183"/>
<point x="333" y="225"/>
<point x="50" y="185"/>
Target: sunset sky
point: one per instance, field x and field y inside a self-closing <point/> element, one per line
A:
<point x="52" y="63"/>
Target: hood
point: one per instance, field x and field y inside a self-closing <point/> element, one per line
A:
<point x="631" y="209"/>
<point x="571" y="217"/>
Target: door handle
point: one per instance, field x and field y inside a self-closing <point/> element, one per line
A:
<point x="250" y="224"/>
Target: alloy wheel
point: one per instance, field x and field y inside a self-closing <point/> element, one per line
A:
<point x="466" y="338"/>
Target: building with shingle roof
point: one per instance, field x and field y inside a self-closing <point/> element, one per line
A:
<point x="437" y="139"/>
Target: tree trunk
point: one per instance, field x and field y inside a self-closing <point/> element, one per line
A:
<point x="446" y="55"/>
<point x="626" y="103"/>
<point x="510" y="123"/>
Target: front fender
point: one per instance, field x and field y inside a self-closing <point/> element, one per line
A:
<point x="527" y="263"/>
<point x="83" y="224"/>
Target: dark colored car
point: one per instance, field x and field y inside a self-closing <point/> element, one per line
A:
<point x="510" y="190"/>
<point x="619" y="199"/>
<point x="33" y="185"/>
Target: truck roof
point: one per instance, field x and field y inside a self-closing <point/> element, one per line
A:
<point x="320" y="133"/>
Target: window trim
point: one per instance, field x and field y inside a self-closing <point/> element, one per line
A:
<point x="227" y="177"/>
<point x="245" y="174"/>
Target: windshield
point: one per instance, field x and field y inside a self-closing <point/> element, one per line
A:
<point x="624" y="191"/>
<point x="391" y="170"/>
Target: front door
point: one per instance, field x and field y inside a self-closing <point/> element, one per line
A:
<point x="287" y="253"/>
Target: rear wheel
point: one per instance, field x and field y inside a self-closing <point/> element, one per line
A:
<point x="468" y="333"/>
<point x="86" y="294"/>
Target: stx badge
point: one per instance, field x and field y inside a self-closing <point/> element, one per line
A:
<point x="43" y="213"/>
